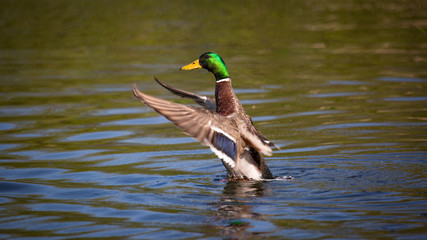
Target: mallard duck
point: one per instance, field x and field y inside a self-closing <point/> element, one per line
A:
<point x="221" y="124"/>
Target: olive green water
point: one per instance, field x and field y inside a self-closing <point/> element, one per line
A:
<point x="340" y="86"/>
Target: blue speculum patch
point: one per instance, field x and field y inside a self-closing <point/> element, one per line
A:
<point x="225" y="145"/>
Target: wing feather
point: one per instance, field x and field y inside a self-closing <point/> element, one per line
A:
<point x="205" y="101"/>
<point x="206" y="126"/>
<point x="254" y="141"/>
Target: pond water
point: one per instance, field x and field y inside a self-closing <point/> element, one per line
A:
<point x="340" y="86"/>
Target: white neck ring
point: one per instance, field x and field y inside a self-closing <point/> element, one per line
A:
<point x="223" y="80"/>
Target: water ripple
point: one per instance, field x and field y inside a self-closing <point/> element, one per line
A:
<point x="158" y="140"/>
<point x="81" y="158"/>
<point x="42" y="155"/>
<point x="7" y="126"/>
<point x="268" y="118"/>
<point x="368" y="124"/>
<point x="405" y="99"/>
<point x="140" y="121"/>
<point x="97" y="135"/>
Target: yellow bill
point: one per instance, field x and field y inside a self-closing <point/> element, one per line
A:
<point x="191" y="66"/>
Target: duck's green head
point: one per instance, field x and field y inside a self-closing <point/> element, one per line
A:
<point x="212" y="62"/>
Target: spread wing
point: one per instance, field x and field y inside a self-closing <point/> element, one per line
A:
<point x="253" y="140"/>
<point x="204" y="101"/>
<point x="209" y="128"/>
<point x="261" y="136"/>
<point x="248" y="126"/>
<point x="210" y="104"/>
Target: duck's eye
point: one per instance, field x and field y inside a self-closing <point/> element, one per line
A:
<point x="208" y="56"/>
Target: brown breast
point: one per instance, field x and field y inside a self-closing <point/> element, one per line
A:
<point x="226" y="101"/>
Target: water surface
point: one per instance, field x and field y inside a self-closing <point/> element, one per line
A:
<point x="339" y="86"/>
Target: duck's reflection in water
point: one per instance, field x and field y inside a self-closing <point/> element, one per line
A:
<point x="235" y="208"/>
